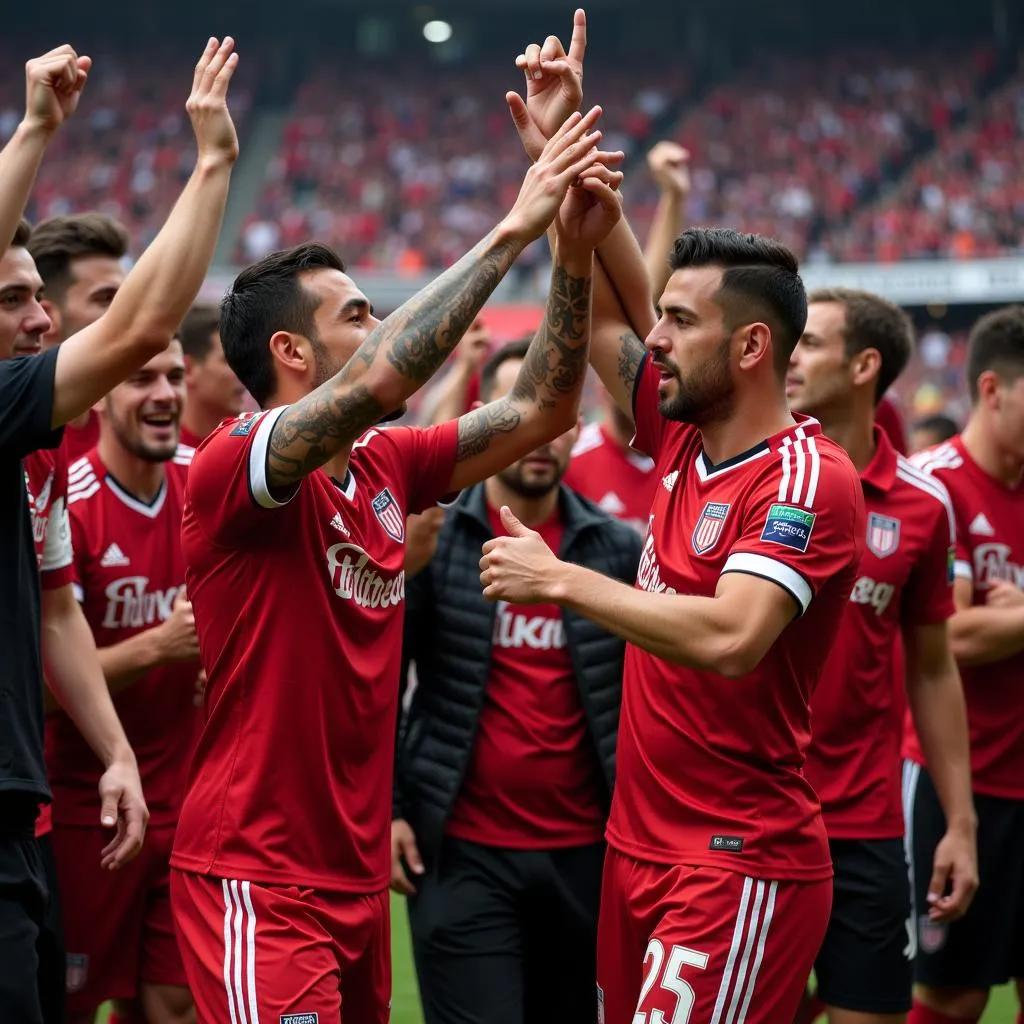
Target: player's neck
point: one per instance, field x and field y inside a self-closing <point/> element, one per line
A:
<point x="139" y="477"/>
<point x="746" y="427"/>
<point x="854" y="432"/>
<point x="200" y="420"/>
<point x="982" y="447"/>
<point x="529" y="511"/>
<point x="338" y="466"/>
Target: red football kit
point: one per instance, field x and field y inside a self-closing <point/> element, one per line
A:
<point x="533" y="781"/>
<point x="717" y="889"/>
<point x="46" y="481"/>
<point x="283" y="845"/>
<point x="618" y="480"/>
<point x="190" y="439"/>
<point x="79" y="441"/>
<point x="128" y="570"/>
<point x="989" y="547"/>
<point x="905" y="579"/>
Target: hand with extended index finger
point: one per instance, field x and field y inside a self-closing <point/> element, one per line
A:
<point x="53" y="87"/>
<point x="207" y="106"/>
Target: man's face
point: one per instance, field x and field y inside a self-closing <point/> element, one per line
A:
<point x="144" y="411"/>
<point x="94" y="283"/>
<point x="212" y="384"/>
<point x="1008" y="416"/>
<point x="691" y="349"/>
<point x="541" y="471"/>
<point x="343" y="320"/>
<point x="23" y="321"/>
<point x="819" y="370"/>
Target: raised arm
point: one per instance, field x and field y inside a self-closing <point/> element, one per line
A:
<point x="402" y="353"/>
<point x="53" y="85"/>
<point x="668" y="163"/>
<point x="156" y="295"/>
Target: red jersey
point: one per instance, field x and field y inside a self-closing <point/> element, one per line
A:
<point x="989" y="547"/>
<point x="905" y="579"/>
<point x="710" y="769"/>
<point x="79" y="441"/>
<point x="128" y="570"/>
<point x="187" y="437"/>
<point x="533" y="780"/>
<point x="618" y="480"/>
<point x="299" y="611"/>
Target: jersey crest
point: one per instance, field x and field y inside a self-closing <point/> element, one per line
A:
<point x="709" y="526"/>
<point x="389" y="515"/>
<point x="883" y="535"/>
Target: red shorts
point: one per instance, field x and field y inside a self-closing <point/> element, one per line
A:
<point x="117" y="924"/>
<point x="704" y="946"/>
<point x="273" y="952"/>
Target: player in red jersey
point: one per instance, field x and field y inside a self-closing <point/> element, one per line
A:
<point x="126" y="499"/>
<point x="607" y="471"/>
<point x="717" y="884"/>
<point x="983" y="470"/>
<point x="293" y="536"/>
<point x="214" y="392"/>
<point x="79" y="258"/>
<point x="853" y="348"/>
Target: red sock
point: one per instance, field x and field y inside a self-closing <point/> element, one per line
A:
<point x="811" y="1010"/>
<point x="921" y="1014"/>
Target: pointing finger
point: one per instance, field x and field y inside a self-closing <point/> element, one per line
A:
<point x="578" y="43"/>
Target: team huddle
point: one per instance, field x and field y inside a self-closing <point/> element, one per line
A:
<point x="812" y="759"/>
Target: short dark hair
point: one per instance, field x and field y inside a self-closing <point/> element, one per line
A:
<point x="197" y="329"/>
<point x="268" y="297"/>
<point x="942" y="426"/>
<point x="873" y="322"/>
<point x="22" y="233"/>
<point x="996" y="343"/>
<point x="489" y="371"/>
<point x="760" y="281"/>
<point x="56" y="243"/>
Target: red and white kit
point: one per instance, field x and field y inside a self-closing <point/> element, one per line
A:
<point x="717" y="892"/>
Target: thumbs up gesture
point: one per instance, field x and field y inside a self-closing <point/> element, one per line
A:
<point x="519" y="568"/>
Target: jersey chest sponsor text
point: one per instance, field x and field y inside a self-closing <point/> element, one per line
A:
<point x="131" y="605"/>
<point x="875" y="593"/>
<point x="992" y="562"/>
<point x="537" y="632"/>
<point x="648" y="574"/>
<point x="355" y="578"/>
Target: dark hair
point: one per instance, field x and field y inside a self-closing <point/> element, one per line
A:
<point x="268" y="297"/>
<point x="996" y="343"/>
<point x="22" y="233"/>
<point x="873" y="322"/>
<point x="489" y="371"/>
<point x="197" y="330"/>
<point x="944" y="427"/>
<point x="56" y="243"/>
<point x="759" y="282"/>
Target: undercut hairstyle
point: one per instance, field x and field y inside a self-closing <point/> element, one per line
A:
<point x="268" y="297"/>
<point x="873" y="322"/>
<point x="942" y="426"/>
<point x="22" y="234"/>
<point x="55" y="244"/>
<point x="489" y="371"/>
<point x="760" y="283"/>
<point x="996" y="343"/>
<point x="197" y="330"/>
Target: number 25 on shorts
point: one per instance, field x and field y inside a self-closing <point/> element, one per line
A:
<point x="669" y="977"/>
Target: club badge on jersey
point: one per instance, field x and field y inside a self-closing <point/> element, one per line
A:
<point x="709" y="526"/>
<point x="883" y="535"/>
<point x="389" y="515"/>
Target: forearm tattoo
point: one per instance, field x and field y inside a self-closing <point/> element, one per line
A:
<point x="631" y="354"/>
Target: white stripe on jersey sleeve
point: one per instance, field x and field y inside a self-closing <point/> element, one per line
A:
<point x="258" y="482"/>
<point x="79" y="592"/>
<point x="769" y="569"/>
<point x="963" y="570"/>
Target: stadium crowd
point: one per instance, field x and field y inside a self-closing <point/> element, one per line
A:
<point x="654" y="718"/>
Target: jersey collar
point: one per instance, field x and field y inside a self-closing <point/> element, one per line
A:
<point x="880" y="472"/>
<point x="805" y="426"/>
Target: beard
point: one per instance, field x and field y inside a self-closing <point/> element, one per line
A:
<point x="534" y="485"/>
<point x="706" y="396"/>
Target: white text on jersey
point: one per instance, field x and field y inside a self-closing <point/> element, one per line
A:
<point x="354" y="581"/>
<point x="130" y="605"/>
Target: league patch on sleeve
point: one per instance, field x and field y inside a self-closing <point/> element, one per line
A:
<point x="791" y="527"/>
<point x="243" y="428"/>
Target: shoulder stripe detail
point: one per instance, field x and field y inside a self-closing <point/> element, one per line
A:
<point x="943" y="456"/>
<point x="84" y="491"/>
<point x="183" y="455"/>
<point x="79" y="468"/>
<point x="801" y="464"/>
<point x="929" y="485"/>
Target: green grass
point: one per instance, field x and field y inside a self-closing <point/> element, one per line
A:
<point x="405" y="1001"/>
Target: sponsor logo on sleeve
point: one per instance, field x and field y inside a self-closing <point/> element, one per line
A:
<point x="791" y="527"/>
<point x="243" y="428"/>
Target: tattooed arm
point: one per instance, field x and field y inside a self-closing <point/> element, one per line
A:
<point x="402" y="353"/>
<point x="545" y="399"/>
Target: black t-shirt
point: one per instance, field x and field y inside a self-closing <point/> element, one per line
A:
<point x="26" y="408"/>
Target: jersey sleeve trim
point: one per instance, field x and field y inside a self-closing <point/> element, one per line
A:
<point x="962" y="570"/>
<point x="57" y="551"/>
<point x="79" y="591"/>
<point x="640" y="371"/>
<point x="769" y="569"/>
<point x="259" y="451"/>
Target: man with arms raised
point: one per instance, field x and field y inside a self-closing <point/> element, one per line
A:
<point x="293" y="536"/>
<point x="854" y="347"/>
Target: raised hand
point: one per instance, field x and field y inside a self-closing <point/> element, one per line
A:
<point x="518" y="567"/>
<point x="591" y="208"/>
<point x="669" y="165"/>
<point x="53" y="87"/>
<point x="207" y="106"/>
<point x="571" y="151"/>
<point x="554" y="81"/>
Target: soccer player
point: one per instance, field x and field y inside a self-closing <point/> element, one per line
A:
<point x="125" y="499"/>
<point x="214" y="392"/>
<point x="983" y="470"/>
<point x="293" y="536"/>
<point x="853" y="348"/>
<point x="717" y="884"/>
<point x="79" y="258"/>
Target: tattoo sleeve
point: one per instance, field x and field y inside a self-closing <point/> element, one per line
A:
<point x="391" y="364"/>
<point x="552" y="372"/>
<point x="631" y="354"/>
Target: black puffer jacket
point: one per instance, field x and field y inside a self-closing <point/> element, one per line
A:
<point x="448" y="630"/>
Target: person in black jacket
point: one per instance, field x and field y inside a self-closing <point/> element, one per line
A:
<point x="506" y="758"/>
